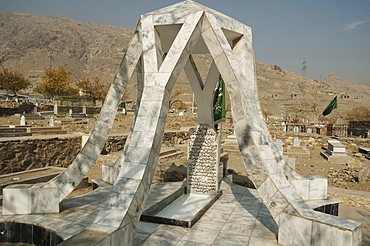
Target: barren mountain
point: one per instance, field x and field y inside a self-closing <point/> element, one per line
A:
<point x="31" y="43"/>
<point x="347" y="86"/>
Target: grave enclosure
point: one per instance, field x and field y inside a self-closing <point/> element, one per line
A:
<point x="162" y="46"/>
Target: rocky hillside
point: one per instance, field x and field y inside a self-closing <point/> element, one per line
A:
<point x="348" y="87"/>
<point x="30" y="44"/>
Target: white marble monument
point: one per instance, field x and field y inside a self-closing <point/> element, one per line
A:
<point x="163" y="45"/>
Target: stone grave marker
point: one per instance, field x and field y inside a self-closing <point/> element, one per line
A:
<point x="51" y="121"/>
<point x="336" y="152"/>
<point x="55" y="109"/>
<point x="23" y="121"/>
<point x="202" y="161"/>
<point x="297" y="150"/>
<point x="279" y="146"/>
<point x="296" y="142"/>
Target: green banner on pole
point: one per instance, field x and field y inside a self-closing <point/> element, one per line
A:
<point x="332" y="105"/>
<point x="219" y="103"/>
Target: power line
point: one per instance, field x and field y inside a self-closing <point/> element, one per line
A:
<point x="304" y="67"/>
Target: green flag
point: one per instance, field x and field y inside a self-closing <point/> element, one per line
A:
<point x="219" y="105"/>
<point x="332" y="105"/>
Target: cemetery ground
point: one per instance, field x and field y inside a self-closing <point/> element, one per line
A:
<point x="342" y="179"/>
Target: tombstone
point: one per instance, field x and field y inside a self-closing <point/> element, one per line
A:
<point x="123" y="111"/>
<point x="70" y="112"/>
<point x="84" y="109"/>
<point x="23" y="121"/>
<point x="309" y="130"/>
<point x="55" y="109"/>
<point x="336" y="153"/>
<point x="297" y="151"/>
<point x="202" y="161"/>
<point x="35" y="110"/>
<point x="284" y="126"/>
<point x="336" y="148"/>
<point x="296" y="142"/>
<point x="279" y="146"/>
<point x="296" y="129"/>
<point x="51" y="121"/>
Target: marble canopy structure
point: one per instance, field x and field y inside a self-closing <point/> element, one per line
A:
<point x="162" y="46"/>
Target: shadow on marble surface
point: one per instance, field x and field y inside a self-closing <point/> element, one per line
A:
<point x="256" y="208"/>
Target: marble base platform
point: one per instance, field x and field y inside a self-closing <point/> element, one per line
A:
<point x="238" y="217"/>
<point x="185" y="211"/>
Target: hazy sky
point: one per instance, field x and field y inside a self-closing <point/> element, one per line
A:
<point x="333" y="36"/>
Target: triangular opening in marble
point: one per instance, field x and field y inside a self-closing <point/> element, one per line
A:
<point x="167" y="34"/>
<point x="232" y="37"/>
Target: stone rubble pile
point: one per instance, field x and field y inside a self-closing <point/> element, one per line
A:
<point x="341" y="177"/>
<point x="348" y="174"/>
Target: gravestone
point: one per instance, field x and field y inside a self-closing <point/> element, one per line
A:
<point x="296" y="129"/>
<point x="84" y="109"/>
<point x="296" y="142"/>
<point x="51" y="121"/>
<point x="284" y="126"/>
<point x="55" y="109"/>
<point x="309" y="130"/>
<point x="35" y="110"/>
<point x="297" y="150"/>
<point x="336" y="153"/>
<point x="70" y="112"/>
<point x="202" y="161"/>
<point x="23" y="121"/>
<point x="279" y="146"/>
<point x="336" y="148"/>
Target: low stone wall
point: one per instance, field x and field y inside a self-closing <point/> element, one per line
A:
<point x="65" y="109"/>
<point x="114" y="143"/>
<point x="11" y="108"/>
<point x="176" y="137"/>
<point x="30" y="153"/>
<point x="316" y="140"/>
<point x="36" y="152"/>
